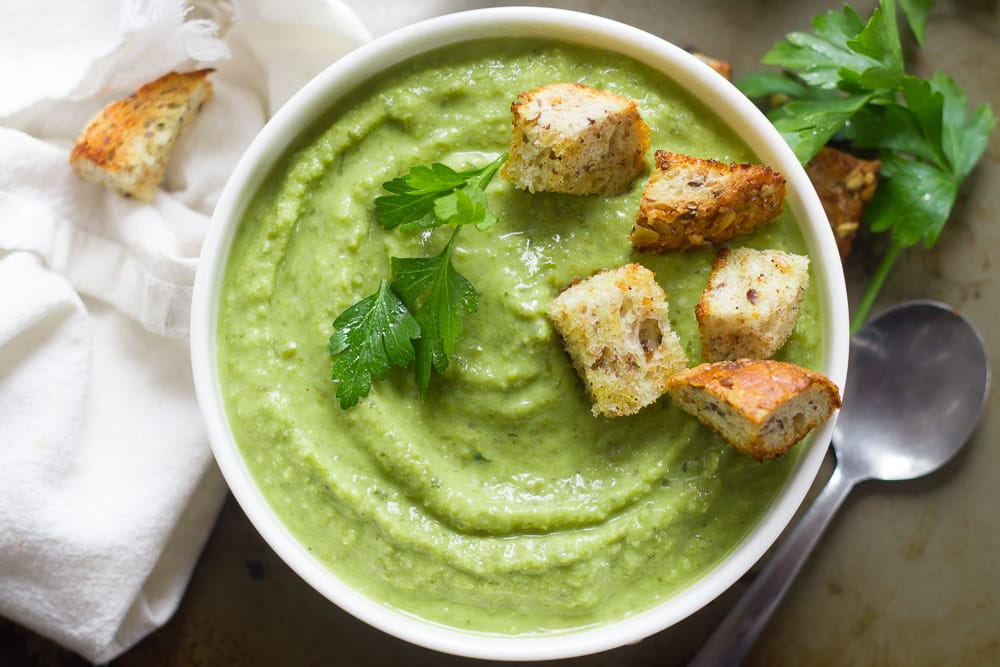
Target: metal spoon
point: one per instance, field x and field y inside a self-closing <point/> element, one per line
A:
<point x="918" y="379"/>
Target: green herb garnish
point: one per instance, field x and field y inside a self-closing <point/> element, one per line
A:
<point x="371" y="335"/>
<point x="427" y="197"/>
<point x="847" y="82"/>
<point x="418" y="316"/>
<point x="437" y="294"/>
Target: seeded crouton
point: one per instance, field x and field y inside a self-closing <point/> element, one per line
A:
<point x="126" y="145"/>
<point x="749" y="308"/>
<point x="691" y="202"/>
<point x="720" y="66"/>
<point x="615" y="328"/>
<point x="573" y="139"/>
<point x="759" y="406"/>
<point x="845" y="184"/>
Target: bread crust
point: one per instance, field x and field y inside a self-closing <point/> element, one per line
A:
<point x="762" y="407"/>
<point x="616" y="330"/>
<point x="692" y="202"/>
<point x="126" y="145"/>
<point x="573" y="139"/>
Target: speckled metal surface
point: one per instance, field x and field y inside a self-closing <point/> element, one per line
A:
<point x="906" y="575"/>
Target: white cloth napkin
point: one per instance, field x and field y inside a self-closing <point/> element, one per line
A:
<point x="107" y="486"/>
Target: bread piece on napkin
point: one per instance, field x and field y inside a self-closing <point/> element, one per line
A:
<point x="574" y="139"/>
<point x="759" y="406"/>
<point x="127" y="144"/>
<point x="690" y="202"/>
<point x="615" y="328"/>
<point x="751" y="302"/>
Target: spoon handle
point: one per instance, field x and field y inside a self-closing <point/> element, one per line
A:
<point x="731" y="641"/>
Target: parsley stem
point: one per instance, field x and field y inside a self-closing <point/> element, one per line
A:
<point x="875" y="286"/>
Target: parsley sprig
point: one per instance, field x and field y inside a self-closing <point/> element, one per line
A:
<point x="418" y="315"/>
<point x="847" y="81"/>
<point x="371" y="335"/>
<point x="437" y="293"/>
<point x="427" y="197"/>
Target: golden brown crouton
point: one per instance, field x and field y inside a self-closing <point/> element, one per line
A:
<point x="720" y="66"/>
<point x="573" y="139"/>
<point x="749" y="308"/>
<point x="617" y="333"/>
<point x="692" y="202"/>
<point x="845" y="185"/>
<point x="761" y="407"/>
<point x="126" y="145"/>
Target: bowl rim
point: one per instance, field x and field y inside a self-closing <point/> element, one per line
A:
<point x="344" y="75"/>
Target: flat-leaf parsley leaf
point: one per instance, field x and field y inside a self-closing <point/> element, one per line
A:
<point x="847" y="82"/>
<point x="437" y="294"/>
<point x="368" y="337"/>
<point x="427" y="197"/>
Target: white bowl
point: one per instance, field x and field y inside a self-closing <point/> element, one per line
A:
<point x="318" y="96"/>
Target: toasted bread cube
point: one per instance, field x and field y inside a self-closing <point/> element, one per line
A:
<point x="571" y="138"/>
<point x="126" y="145"/>
<point x="759" y="406"/>
<point x="845" y="185"/>
<point x="720" y="66"/>
<point x="751" y="302"/>
<point x="617" y="333"/>
<point x="691" y="202"/>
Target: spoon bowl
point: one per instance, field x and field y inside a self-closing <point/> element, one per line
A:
<point x="919" y="377"/>
<point x="916" y="385"/>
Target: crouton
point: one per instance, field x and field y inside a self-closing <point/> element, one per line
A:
<point x="720" y="66"/>
<point x="615" y="328"/>
<point x="845" y="184"/>
<point x="125" y="146"/>
<point x="691" y="202"/>
<point x="751" y="302"/>
<point x="759" y="406"/>
<point x="573" y="139"/>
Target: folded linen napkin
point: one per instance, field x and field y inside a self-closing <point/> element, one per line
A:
<point x="107" y="486"/>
